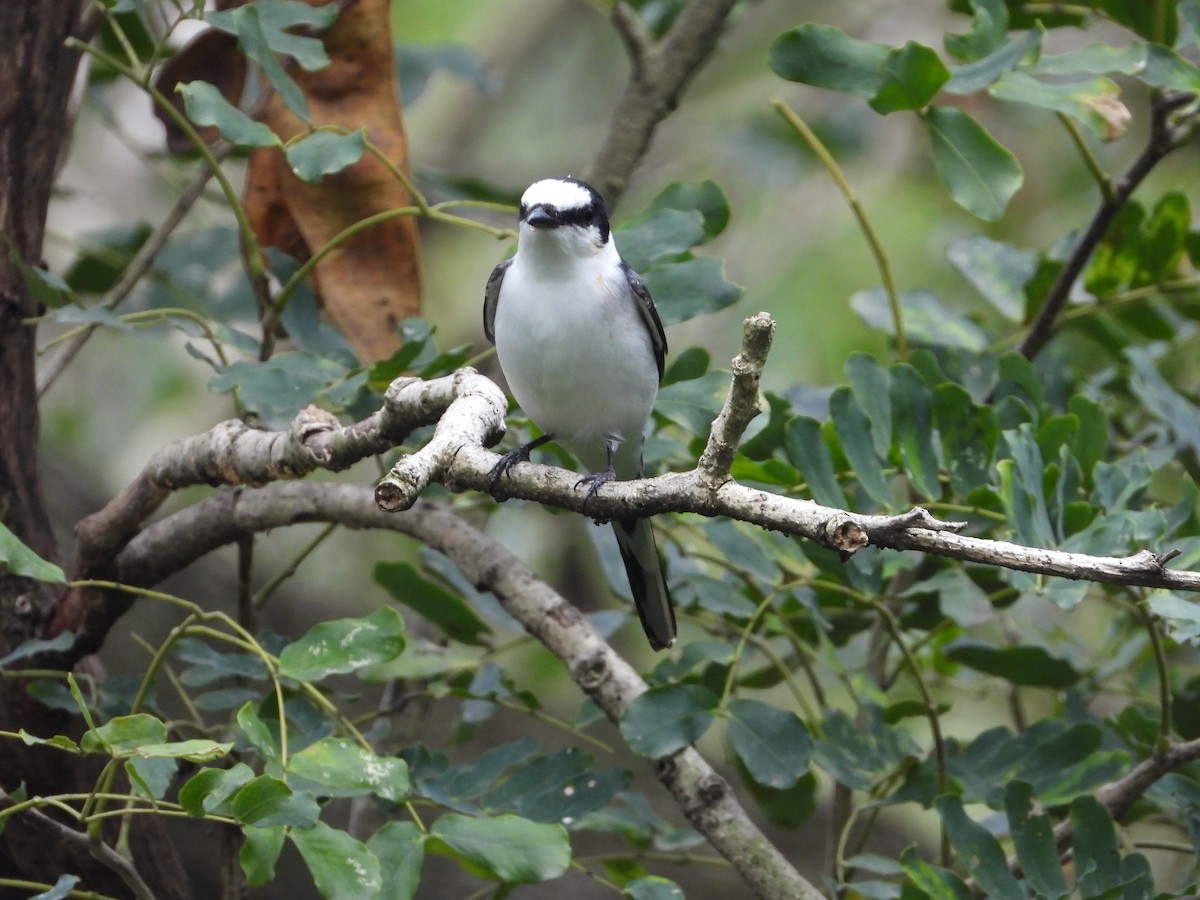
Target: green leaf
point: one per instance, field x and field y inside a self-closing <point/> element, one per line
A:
<point x="64" y="888"/>
<point x="257" y="732"/>
<point x="1017" y="53"/>
<point x="445" y="609"/>
<point x="1022" y="488"/>
<point x="195" y="750"/>
<point x="281" y="386"/>
<point x="1162" y="241"/>
<point x="706" y="197"/>
<point x="854" y="431"/>
<point x="1094" y="59"/>
<point x="773" y="744"/>
<point x="122" y="734"/>
<point x="988" y="26"/>
<point x="1097" y="853"/>
<point x="980" y="174"/>
<point x="979" y="852"/>
<point x="788" y="808"/>
<point x="926" y="320"/>
<point x="260" y="851"/>
<point x="400" y="849"/>
<point x="558" y="787"/>
<point x="344" y="645"/>
<point x="998" y="271"/>
<point x="935" y="881"/>
<point x="969" y="434"/>
<point x="695" y="403"/>
<point x="324" y="153"/>
<point x="807" y="451"/>
<point x="340" y="865"/>
<point x="684" y="290"/>
<point x="1033" y="839"/>
<point x="256" y="42"/>
<point x="913" y="406"/>
<point x="1023" y="665"/>
<point x="1166" y="68"/>
<point x="668" y="718"/>
<point x="209" y="788"/>
<point x="824" y="56"/>
<point x="45" y="286"/>
<point x="911" y="77"/>
<point x="205" y="106"/>
<point x="64" y="641"/>
<point x="1093" y="103"/>
<point x="1156" y="21"/>
<point x="664" y="236"/>
<point x="343" y="768"/>
<point x="20" y="560"/>
<point x="653" y="887"/>
<point x="265" y="801"/>
<point x="872" y="387"/>
<point x="509" y="847"/>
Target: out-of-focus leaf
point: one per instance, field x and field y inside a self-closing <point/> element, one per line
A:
<point x="872" y="387"/>
<point x="969" y="434"/>
<point x="854" y="431"/>
<point x="980" y="174"/>
<point x="912" y="402"/>
<point x="706" y="197"/>
<point x="933" y="880"/>
<point x="684" y="290"/>
<point x="980" y="852"/>
<point x="911" y="77"/>
<point x="324" y="153"/>
<point x="400" y="849"/>
<point x="63" y="641"/>
<point x="772" y="744"/>
<point x="926" y="320"/>
<point x="1162" y="400"/>
<point x="824" y="56"/>
<point x="509" y="847"/>
<point x="416" y="63"/>
<point x="989" y="22"/>
<point x="695" y="403"/>
<point x="998" y="271"/>
<point x="1166" y="68"/>
<point x="443" y="608"/>
<point x="666" y="719"/>
<point x="104" y="256"/>
<point x="205" y="106"/>
<point x="807" y="451"/>
<point x="1094" y="59"/>
<point x="1094" y="103"/>
<point x="1154" y="21"/>
<point x="1097" y="853"/>
<point x="1024" y="665"/>
<point x="343" y="645"/>
<point x="340" y="865"/>
<point x="281" y="386"/>
<point x="559" y="787"/>
<point x="1033" y="838"/>
<point x="1018" y="52"/>
<point x="260" y="851"/>
<point x="1162" y="242"/>
<point x="19" y="559"/>
<point x="663" y="236"/>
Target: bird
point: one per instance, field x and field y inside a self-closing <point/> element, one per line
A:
<point x="582" y="347"/>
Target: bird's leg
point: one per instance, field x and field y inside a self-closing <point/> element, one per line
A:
<point x="512" y="457"/>
<point x="597" y="479"/>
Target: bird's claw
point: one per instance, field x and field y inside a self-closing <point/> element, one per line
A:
<point x="594" y="482"/>
<point x="506" y="464"/>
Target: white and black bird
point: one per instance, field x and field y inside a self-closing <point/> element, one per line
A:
<point x="582" y="347"/>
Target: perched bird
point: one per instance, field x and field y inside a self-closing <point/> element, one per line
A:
<point x="582" y="347"/>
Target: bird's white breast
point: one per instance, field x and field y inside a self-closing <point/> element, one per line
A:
<point x="577" y="354"/>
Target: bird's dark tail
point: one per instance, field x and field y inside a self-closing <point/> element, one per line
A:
<point x="635" y="537"/>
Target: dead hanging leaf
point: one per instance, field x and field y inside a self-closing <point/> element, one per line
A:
<point x="370" y="282"/>
<point x="210" y="56"/>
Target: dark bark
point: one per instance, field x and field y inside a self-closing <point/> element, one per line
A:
<point x="37" y="71"/>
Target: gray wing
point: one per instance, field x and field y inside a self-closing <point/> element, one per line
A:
<point x="649" y="314"/>
<point x="491" y="297"/>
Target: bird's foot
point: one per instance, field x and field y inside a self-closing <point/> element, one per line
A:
<point x="594" y="482"/>
<point x="511" y="458"/>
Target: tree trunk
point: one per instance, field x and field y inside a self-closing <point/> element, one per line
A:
<point x="37" y="71"/>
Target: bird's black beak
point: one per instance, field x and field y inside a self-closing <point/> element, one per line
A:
<point x="540" y="217"/>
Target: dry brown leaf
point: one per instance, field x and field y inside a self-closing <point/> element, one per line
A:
<point x="372" y="281"/>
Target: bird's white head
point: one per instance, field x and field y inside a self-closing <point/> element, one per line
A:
<point x="564" y="215"/>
